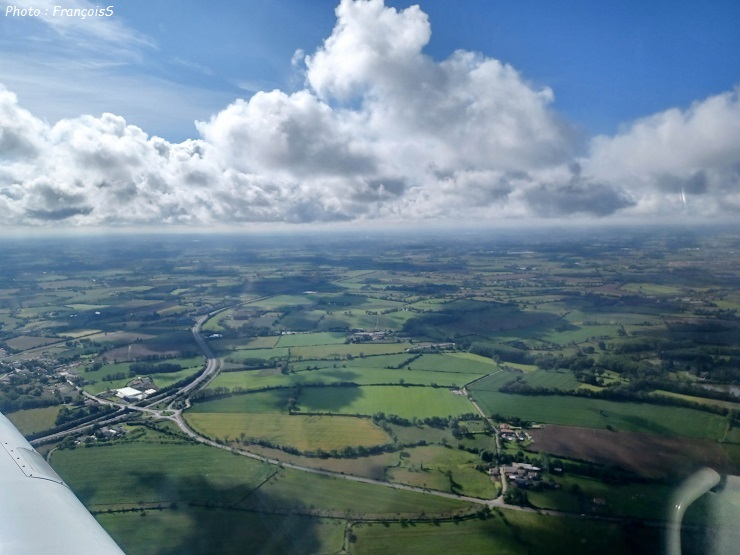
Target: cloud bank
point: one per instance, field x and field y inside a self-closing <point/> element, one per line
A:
<point x="379" y="132"/>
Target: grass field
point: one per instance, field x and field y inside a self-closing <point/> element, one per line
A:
<point x="450" y="363"/>
<point x="308" y="339"/>
<point x="354" y="349"/>
<point x="651" y="501"/>
<point x="561" y="380"/>
<point x="578" y="333"/>
<point x="201" y="531"/>
<point x="256" y="379"/>
<point x="34" y="420"/>
<point x="342" y="497"/>
<point x="225" y="345"/>
<point x="597" y="413"/>
<point x="154" y="473"/>
<point x="373" y="466"/>
<point x="512" y="534"/>
<point x="24" y="342"/>
<point x="307" y="433"/>
<point x="407" y="402"/>
<point x="252" y="403"/>
<point x="428" y="467"/>
<point x="496" y="380"/>
<point x="214" y="324"/>
<point x="701" y="400"/>
<point x="652" y="289"/>
<point x="263" y="353"/>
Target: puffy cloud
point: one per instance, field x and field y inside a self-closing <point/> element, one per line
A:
<point x="296" y="134"/>
<point x="380" y="131"/>
<point x="677" y="159"/>
<point x="371" y="46"/>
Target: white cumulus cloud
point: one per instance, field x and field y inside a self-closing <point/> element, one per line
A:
<point x="380" y="131"/>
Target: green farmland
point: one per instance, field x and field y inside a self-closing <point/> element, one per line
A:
<point x="505" y="533"/>
<point x="197" y="530"/>
<point x="257" y="379"/>
<point x="597" y="413"/>
<point x="307" y="433"/>
<point x="30" y="421"/>
<point x="407" y="402"/>
<point x="338" y="418"/>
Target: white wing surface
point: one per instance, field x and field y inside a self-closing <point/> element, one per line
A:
<point x="38" y="512"/>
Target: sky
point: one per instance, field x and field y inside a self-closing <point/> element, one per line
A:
<point x="251" y="113"/>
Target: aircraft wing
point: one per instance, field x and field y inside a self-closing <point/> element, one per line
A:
<point x="38" y="512"/>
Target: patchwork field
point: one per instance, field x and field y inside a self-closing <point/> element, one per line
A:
<point x="629" y="314"/>
<point x="307" y="433"/>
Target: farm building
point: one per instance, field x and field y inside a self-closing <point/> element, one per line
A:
<point x="130" y="394"/>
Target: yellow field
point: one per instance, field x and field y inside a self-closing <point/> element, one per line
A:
<point x="307" y="433"/>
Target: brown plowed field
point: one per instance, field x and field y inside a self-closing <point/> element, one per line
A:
<point x="648" y="455"/>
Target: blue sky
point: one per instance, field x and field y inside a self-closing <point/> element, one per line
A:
<point x="607" y="62"/>
<point x="551" y="95"/>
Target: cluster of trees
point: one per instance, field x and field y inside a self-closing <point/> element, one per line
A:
<point x="431" y="421"/>
<point x="27" y="390"/>
<point x="348" y="452"/>
<point x="83" y="417"/>
<point x="140" y="368"/>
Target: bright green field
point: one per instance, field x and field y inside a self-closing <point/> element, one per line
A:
<point x="256" y="379"/>
<point x="307" y="339"/>
<point x="597" y="413"/>
<point x="214" y="324"/>
<point x="307" y="433"/>
<point x="266" y="354"/>
<point x="407" y="402"/>
<point x="34" y="420"/>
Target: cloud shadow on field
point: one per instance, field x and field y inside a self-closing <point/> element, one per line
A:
<point x="200" y="517"/>
<point x="329" y="399"/>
